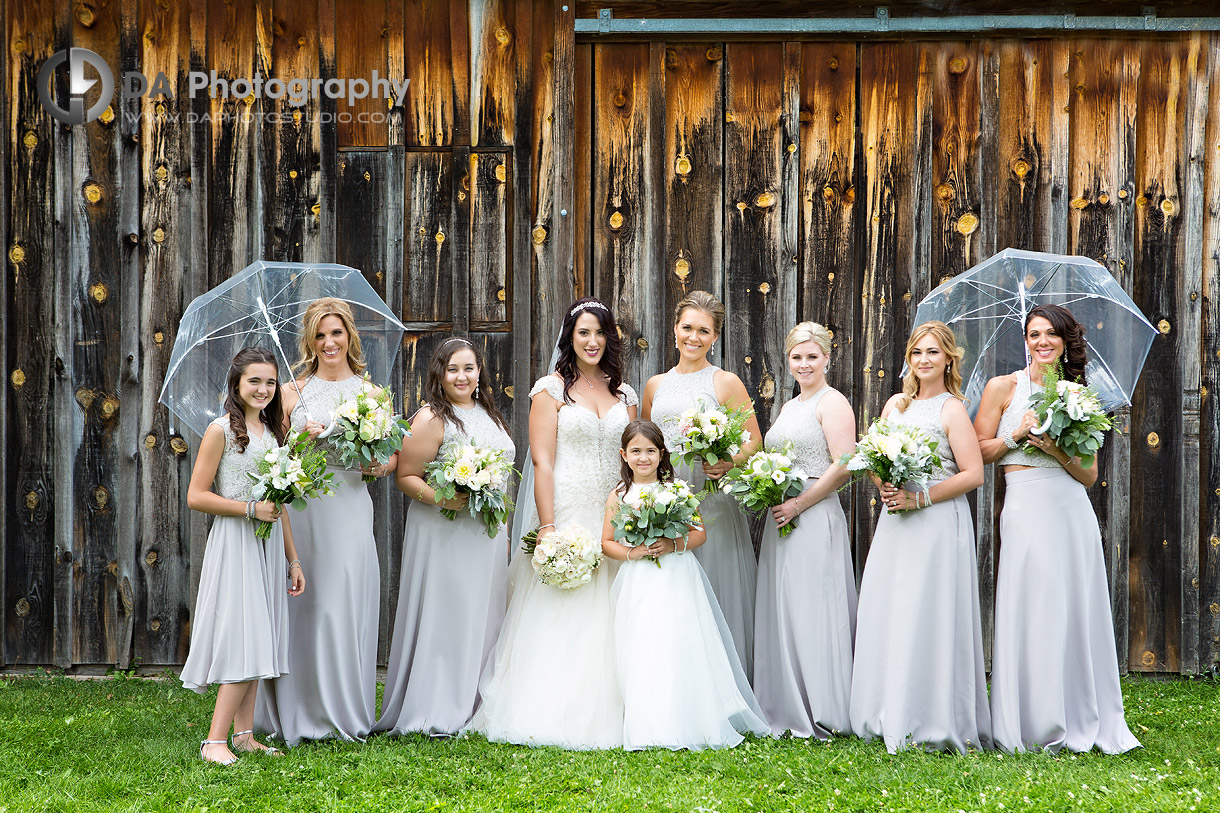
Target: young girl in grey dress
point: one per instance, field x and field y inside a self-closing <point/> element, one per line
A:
<point x="453" y="589"/>
<point x="239" y="632"/>
<point x="918" y="677"/>
<point x="330" y="689"/>
<point x="805" y="618"/>
<point x="728" y="555"/>
<point x="1054" y="676"/>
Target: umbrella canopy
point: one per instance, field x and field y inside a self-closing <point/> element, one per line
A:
<point x="262" y="307"/>
<point x="986" y="307"/>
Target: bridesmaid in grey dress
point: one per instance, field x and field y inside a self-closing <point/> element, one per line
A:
<point x="330" y="688"/>
<point x="239" y="631"/>
<point x="728" y="555"/>
<point x="805" y="618"/>
<point x="453" y="591"/>
<point x="1054" y="675"/>
<point x="918" y="677"/>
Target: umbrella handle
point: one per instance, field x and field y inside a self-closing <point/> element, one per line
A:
<point x="275" y="339"/>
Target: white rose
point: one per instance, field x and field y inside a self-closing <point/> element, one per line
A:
<point x="665" y="497"/>
<point x="891" y="447"/>
<point x="779" y="477"/>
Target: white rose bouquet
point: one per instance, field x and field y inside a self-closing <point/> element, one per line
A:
<point x="764" y="481"/>
<point x="479" y="471"/>
<point x="711" y="435"/>
<point x="1071" y="414"/>
<point x="896" y="453"/>
<point x="290" y="475"/>
<point x="366" y="428"/>
<point x="658" y="511"/>
<point x="566" y="559"/>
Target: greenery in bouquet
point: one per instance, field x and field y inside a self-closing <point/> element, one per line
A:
<point x="896" y="453"/>
<point x="479" y="471"/>
<point x="711" y="436"/>
<point x="366" y="428"/>
<point x="1071" y="414"/>
<point x="658" y="511"/>
<point x="290" y="475"/>
<point x="765" y="480"/>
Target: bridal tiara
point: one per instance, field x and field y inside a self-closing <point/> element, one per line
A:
<point x="586" y="305"/>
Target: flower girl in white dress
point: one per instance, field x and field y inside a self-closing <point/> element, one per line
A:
<point x="683" y="685"/>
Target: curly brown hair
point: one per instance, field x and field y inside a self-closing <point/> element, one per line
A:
<point x="272" y="415"/>
<point x="1072" y="332"/>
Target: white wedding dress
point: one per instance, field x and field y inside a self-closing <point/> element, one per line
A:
<point x="552" y="680"/>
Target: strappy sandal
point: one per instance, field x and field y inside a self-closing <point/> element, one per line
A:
<point x="206" y="743"/>
<point x="257" y="747"/>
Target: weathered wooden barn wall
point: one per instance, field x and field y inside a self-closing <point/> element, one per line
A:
<point x="835" y="179"/>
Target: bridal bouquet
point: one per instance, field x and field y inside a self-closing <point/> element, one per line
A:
<point x="479" y="471"/>
<point x="658" y="511"/>
<point x="896" y="453"/>
<point x="566" y="559"/>
<point x="711" y="435"/>
<point x="367" y="429"/>
<point x="764" y="481"/>
<point x="1071" y="414"/>
<point x="291" y="474"/>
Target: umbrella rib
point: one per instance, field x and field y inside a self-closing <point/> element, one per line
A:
<point x="1101" y="360"/>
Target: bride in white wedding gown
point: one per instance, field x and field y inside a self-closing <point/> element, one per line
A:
<point x="551" y="679"/>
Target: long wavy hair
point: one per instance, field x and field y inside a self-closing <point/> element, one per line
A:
<point x="612" y="358"/>
<point x="652" y="433"/>
<point x="434" y="390"/>
<point x="272" y="415"/>
<point x="318" y="310"/>
<point x="953" y="371"/>
<point x="1072" y="332"/>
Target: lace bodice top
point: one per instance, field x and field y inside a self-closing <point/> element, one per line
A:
<point x="233" y="473"/>
<point x="479" y="428"/>
<point x="679" y="392"/>
<point x="1011" y="419"/>
<point x="798" y="424"/>
<point x="322" y="397"/>
<point x="586" y="465"/>
<point x="925" y="415"/>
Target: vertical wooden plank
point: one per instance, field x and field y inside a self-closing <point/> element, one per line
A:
<point x="1157" y="541"/>
<point x="1209" y="473"/>
<point x="582" y="95"/>
<point x="623" y="228"/>
<point x="521" y="296"/>
<point x="459" y="64"/>
<point x="235" y="230"/>
<point x="896" y="123"/>
<point x="325" y="206"/>
<point x="493" y="69"/>
<point x="432" y="94"/>
<point x="292" y="139"/>
<point x="490" y="280"/>
<point x="31" y="500"/>
<point x="163" y="553"/>
<point x="95" y="268"/>
<point x="1190" y="324"/>
<point x="360" y="50"/>
<point x="6" y="509"/>
<point x="1102" y="189"/>
<point x="459" y="238"/>
<point x="362" y="230"/>
<point x="761" y="121"/>
<point x="563" y="78"/>
<point x="956" y="165"/>
<point x="428" y="272"/>
<point x="693" y="170"/>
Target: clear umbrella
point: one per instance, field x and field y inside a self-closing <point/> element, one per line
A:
<point x="262" y="307"/>
<point x="986" y="307"/>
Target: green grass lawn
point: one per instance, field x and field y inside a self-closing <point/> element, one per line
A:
<point x="131" y="744"/>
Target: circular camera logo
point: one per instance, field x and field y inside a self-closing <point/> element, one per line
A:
<point x="78" y="85"/>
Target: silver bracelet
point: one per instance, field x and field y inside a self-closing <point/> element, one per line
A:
<point x="1009" y="440"/>
<point x="548" y="525"/>
<point x="249" y="509"/>
<point x="296" y="562"/>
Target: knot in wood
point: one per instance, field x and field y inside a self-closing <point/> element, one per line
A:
<point x="151" y="557"/>
<point x="1080" y="203"/>
<point x="748" y="360"/>
<point x="509" y="390"/>
<point x="99" y="292"/>
<point x="1153" y="440"/>
<point x="161" y="173"/>
<point x="158" y="337"/>
<point x="501" y="173"/>
<point x="101" y="496"/>
<point x="682" y="268"/>
<point x="1020" y="167"/>
<point x="150" y="441"/>
<point x="1163" y="326"/>
<point x="715" y="53"/>
<point x="1167" y="206"/>
<point x="1122" y="194"/>
<point x="84" y="15"/>
<point x="159" y="109"/>
<point x="539" y="235"/>
<point x="616" y="220"/>
<point x="766" y="387"/>
<point x="316" y="209"/>
<point x="619" y="100"/>
<point x="93" y="192"/>
<point x="500" y="294"/>
<point x="1215" y="608"/>
<point x="967" y="224"/>
<point x="155" y="624"/>
<point x="833" y="63"/>
<point x="85" y="396"/>
<point x="110" y="405"/>
<point x="31" y="500"/>
<point x="30" y="139"/>
<point x="178" y="445"/>
<point x="158" y="235"/>
<point x="828" y="194"/>
<point x="1103" y="198"/>
<point x="502" y="36"/>
<point x="765" y="200"/>
<point x="1148" y="658"/>
<point x="764" y="288"/>
<point x="18" y="378"/>
<point x="830" y="277"/>
<point x="944" y="191"/>
<point x="641" y="343"/>
<point x="682" y="165"/>
<point x="23" y="607"/>
<point x="440" y="237"/>
<point x="957" y="64"/>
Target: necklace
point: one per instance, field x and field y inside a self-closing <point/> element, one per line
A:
<point x="586" y="378"/>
